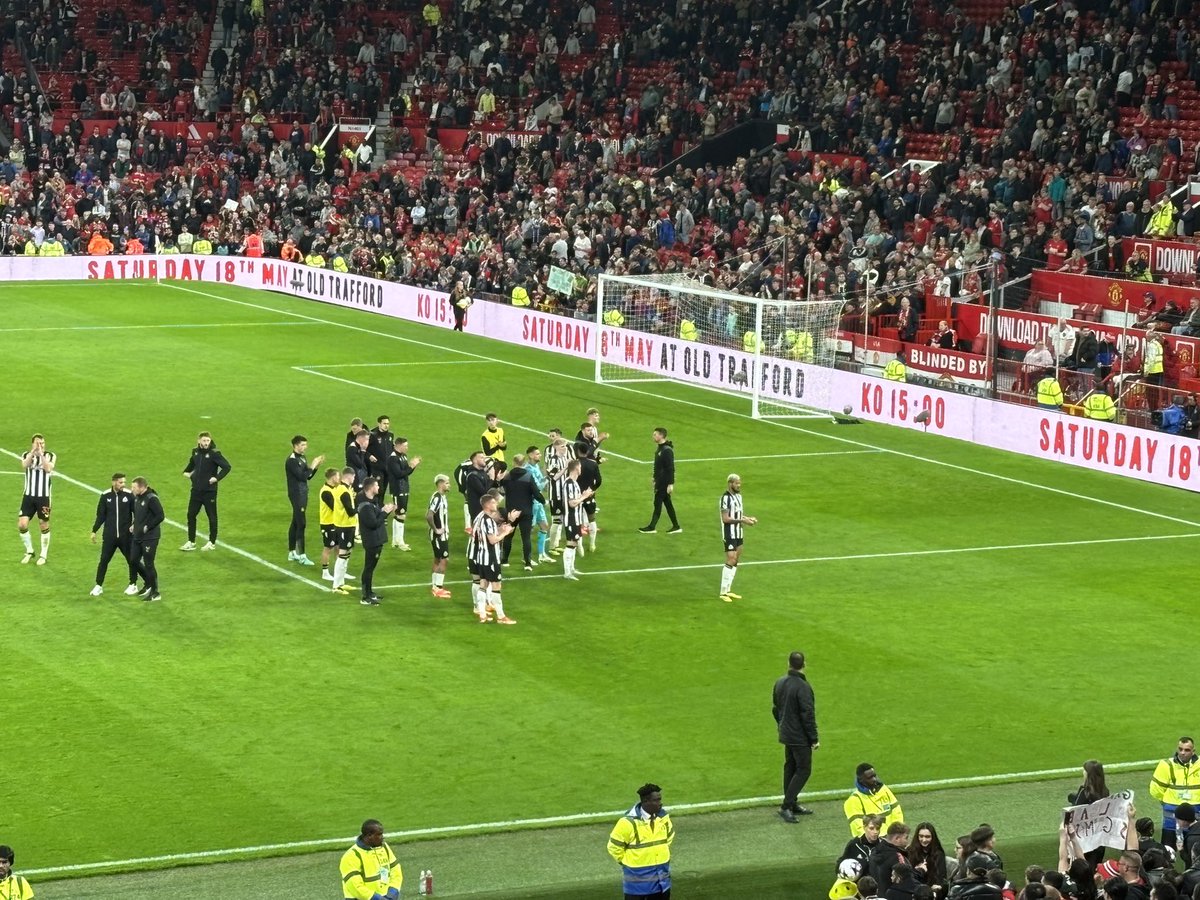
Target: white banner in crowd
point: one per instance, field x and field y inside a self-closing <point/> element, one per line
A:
<point x="1104" y="823"/>
<point x="1100" y="446"/>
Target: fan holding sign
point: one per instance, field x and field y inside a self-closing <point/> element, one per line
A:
<point x="1106" y="823"/>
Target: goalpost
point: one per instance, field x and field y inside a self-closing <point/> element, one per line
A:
<point x="778" y="353"/>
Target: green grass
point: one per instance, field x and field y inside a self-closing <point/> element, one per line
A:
<point x="250" y="708"/>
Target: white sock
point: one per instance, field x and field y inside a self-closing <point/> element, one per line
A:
<point x="579" y="548"/>
<point x="592" y="535"/>
<point x="496" y="603"/>
<point x="555" y="533"/>
<point x="467" y="515"/>
<point x="397" y="532"/>
<point x="45" y="542"/>
<point x="27" y="540"/>
<point x="477" y="598"/>
<point x="400" y="530"/>
<point x="727" y="578"/>
<point x="488" y="596"/>
<point x="339" y="570"/>
<point x="569" y="561"/>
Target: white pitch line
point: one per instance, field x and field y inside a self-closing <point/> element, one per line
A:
<point x="804" y="560"/>
<point x="223" y="545"/>
<point x="569" y="819"/>
<point x="140" y="327"/>
<point x="1112" y="504"/>
<point x="707" y="459"/>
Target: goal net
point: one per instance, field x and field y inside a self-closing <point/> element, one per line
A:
<point x="777" y="353"/>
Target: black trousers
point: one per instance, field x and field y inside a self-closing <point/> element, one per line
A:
<point x="666" y="895"/>
<point x="525" y="526"/>
<point x="460" y="316"/>
<point x="208" y="502"/>
<point x="108" y="549"/>
<point x="368" y="572"/>
<point x="298" y="526"/>
<point x="143" y="553"/>
<point x="797" y="766"/>
<point x="662" y="500"/>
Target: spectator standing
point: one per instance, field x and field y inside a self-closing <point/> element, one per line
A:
<point x="794" y="709"/>
<point x="1187" y="834"/>
<point x="1094" y="788"/>
<point x="927" y="856"/>
<point x="870" y="797"/>
<point x="859" y="849"/>
<point x="889" y="853"/>
<point x="641" y="843"/>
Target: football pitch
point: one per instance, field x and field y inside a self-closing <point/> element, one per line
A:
<point x="965" y="613"/>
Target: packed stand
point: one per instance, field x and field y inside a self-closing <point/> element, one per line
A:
<point x="1029" y="116"/>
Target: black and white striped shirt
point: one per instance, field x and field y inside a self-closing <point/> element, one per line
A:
<point x="483" y="552"/>
<point x="37" y="479"/>
<point x="556" y="463"/>
<point x="731" y="505"/>
<point x="437" y="506"/>
<point x="572" y="514"/>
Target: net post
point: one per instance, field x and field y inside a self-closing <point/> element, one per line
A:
<point x="601" y="285"/>
<point x="756" y="360"/>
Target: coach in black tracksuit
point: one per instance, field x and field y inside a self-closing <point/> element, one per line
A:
<point x="114" y="513"/>
<point x="206" y="466"/>
<point x="664" y="480"/>
<point x="478" y="482"/>
<point x="299" y="472"/>
<point x="148" y="517"/>
<point x="520" y="493"/>
<point x="372" y="525"/>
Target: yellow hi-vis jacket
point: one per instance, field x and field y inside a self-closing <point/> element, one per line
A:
<point x="799" y="345"/>
<point x="1099" y="405"/>
<point x="1049" y="392"/>
<point x="1173" y="783"/>
<point x="1152" y="359"/>
<point x="895" y="371"/>
<point x="751" y="343"/>
<point x="688" y="330"/>
<point x="367" y="871"/>
<point x="860" y="804"/>
<point x="643" y="848"/>
<point x="316" y="260"/>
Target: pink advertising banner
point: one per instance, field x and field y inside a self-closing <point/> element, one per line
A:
<point x="1098" y="446"/>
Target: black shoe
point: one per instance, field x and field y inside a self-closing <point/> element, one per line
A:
<point x="675" y="529"/>
<point x="788" y="816"/>
<point x="146" y="593"/>
<point x="647" y="529"/>
<point x="151" y="598"/>
<point x="369" y="601"/>
<point x="802" y="810"/>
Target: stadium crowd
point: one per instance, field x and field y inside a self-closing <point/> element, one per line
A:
<point x="889" y="859"/>
<point x="1030" y="114"/>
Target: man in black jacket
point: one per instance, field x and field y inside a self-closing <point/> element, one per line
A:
<point x="478" y="481"/>
<point x="380" y="447"/>
<point x="399" y="467"/>
<point x="795" y="713"/>
<point x="664" y="482"/>
<point x="299" y="471"/>
<point x="520" y="493"/>
<point x="205" y="467"/>
<point x="589" y="479"/>
<point x="372" y="526"/>
<point x="114" y="513"/>
<point x="146" y="530"/>
<point x="357" y="452"/>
